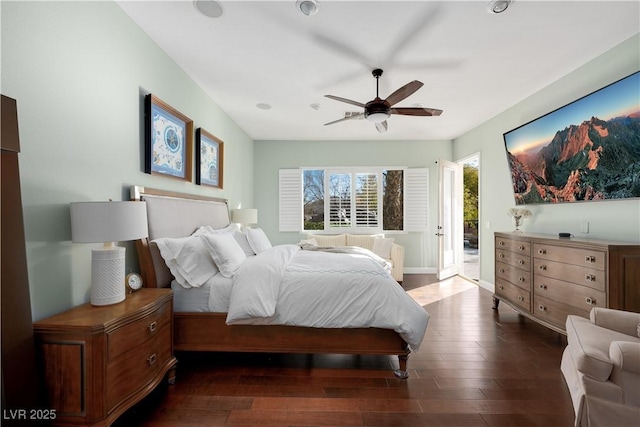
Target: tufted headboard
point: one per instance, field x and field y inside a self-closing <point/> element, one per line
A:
<point x="171" y="214"/>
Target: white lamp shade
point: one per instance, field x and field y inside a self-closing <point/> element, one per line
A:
<point x="245" y="216"/>
<point x="99" y="222"/>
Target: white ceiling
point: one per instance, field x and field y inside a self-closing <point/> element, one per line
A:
<point x="473" y="64"/>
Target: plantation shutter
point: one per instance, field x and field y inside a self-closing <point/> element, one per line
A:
<point x="367" y="200"/>
<point x="290" y="200"/>
<point x="339" y="200"/>
<point x="416" y="204"/>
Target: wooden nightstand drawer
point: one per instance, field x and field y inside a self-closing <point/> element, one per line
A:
<point x="133" y="334"/>
<point x="138" y="366"/>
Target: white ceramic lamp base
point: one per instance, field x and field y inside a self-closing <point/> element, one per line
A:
<point x="107" y="275"/>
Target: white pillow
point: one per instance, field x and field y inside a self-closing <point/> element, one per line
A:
<point x="258" y="241"/>
<point x="382" y="247"/>
<point x="225" y="251"/>
<point x="243" y="241"/>
<point x="207" y="229"/>
<point x="188" y="260"/>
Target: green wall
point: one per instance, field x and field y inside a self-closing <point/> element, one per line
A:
<point x="79" y="72"/>
<point x="617" y="220"/>
<point x="420" y="248"/>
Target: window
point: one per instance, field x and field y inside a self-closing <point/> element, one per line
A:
<point x="354" y="200"/>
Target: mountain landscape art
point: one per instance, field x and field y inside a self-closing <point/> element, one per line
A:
<point x="586" y="150"/>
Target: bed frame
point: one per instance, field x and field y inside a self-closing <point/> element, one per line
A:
<point x="173" y="214"/>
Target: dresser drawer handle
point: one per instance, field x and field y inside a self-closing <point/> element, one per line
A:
<point x="500" y="255"/>
<point x="542" y="307"/>
<point x="590" y="301"/>
<point x="542" y="267"/>
<point x="542" y="286"/>
<point x="590" y="278"/>
<point x="501" y="287"/>
<point x="520" y="298"/>
<point x="521" y="262"/>
<point x="521" y="247"/>
<point x="500" y="243"/>
<point x="501" y="270"/>
<point x="542" y="251"/>
<point x="590" y="259"/>
<point x="522" y="279"/>
<point x="152" y="326"/>
<point x="151" y="359"/>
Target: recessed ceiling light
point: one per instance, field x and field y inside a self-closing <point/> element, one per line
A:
<point x="210" y="8"/>
<point x="498" y="6"/>
<point x="307" y="7"/>
<point x="263" y="106"/>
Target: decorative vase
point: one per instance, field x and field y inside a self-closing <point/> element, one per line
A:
<point x="517" y="220"/>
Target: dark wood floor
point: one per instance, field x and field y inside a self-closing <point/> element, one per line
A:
<point x="476" y="367"/>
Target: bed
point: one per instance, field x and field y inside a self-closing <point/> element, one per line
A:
<point x="174" y="215"/>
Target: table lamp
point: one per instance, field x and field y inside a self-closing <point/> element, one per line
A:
<point x="244" y="217"/>
<point x="108" y="222"/>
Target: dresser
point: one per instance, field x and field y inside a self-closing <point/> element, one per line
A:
<point x="546" y="278"/>
<point x="96" y="362"/>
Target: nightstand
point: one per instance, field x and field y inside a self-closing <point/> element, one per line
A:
<point x="97" y="362"/>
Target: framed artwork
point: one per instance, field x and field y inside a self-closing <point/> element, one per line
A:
<point x="584" y="151"/>
<point x="209" y="159"/>
<point x="168" y="140"/>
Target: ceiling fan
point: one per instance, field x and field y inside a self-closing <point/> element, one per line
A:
<point x="378" y="110"/>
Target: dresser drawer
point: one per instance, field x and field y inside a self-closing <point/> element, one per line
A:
<point x="514" y="294"/>
<point x="582" y="257"/>
<point x="516" y="246"/>
<point x="520" y="278"/>
<point x="133" y="334"/>
<point x="518" y="260"/>
<point x="580" y="297"/>
<point x="137" y="367"/>
<point x="554" y="312"/>
<point x="591" y="277"/>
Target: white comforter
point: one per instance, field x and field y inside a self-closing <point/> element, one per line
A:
<point x="288" y="286"/>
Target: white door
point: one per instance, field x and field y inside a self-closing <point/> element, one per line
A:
<point x="450" y="210"/>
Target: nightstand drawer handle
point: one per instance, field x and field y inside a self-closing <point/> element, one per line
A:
<point x="589" y="258"/>
<point x="501" y="270"/>
<point x="542" y="251"/>
<point x="590" y="301"/>
<point x="521" y="262"/>
<point x="542" y="307"/>
<point x="151" y="359"/>
<point x="153" y="326"/>
<point x="542" y="267"/>
<point x="520" y="298"/>
<point x="521" y="279"/>
<point x="500" y="243"/>
<point x="521" y="247"/>
<point x="590" y="278"/>
<point x="500" y="255"/>
<point x="542" y="286"/>
<point x="501" y="287"/>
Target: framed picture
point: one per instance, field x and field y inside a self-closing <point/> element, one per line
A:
<point x="209" y="159"/>
<point x="584" y="151"/>
<point x="168" y="140"/>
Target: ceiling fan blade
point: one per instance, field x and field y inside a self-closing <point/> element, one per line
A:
<point x="348" y="101"/>
<point x="404" y="92"/>
<point x="416" y="111"/>
<point x="382" y="126"/>
<point x="355" y="116"/>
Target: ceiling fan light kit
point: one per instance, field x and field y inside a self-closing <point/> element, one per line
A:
<point x="379" y="110"/>
<point x="307" y="7"/>
<point x="498" y="6"/>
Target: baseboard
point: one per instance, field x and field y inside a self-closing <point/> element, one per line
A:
<point x="486" y="285"/>
<point x="420" y="270"/>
